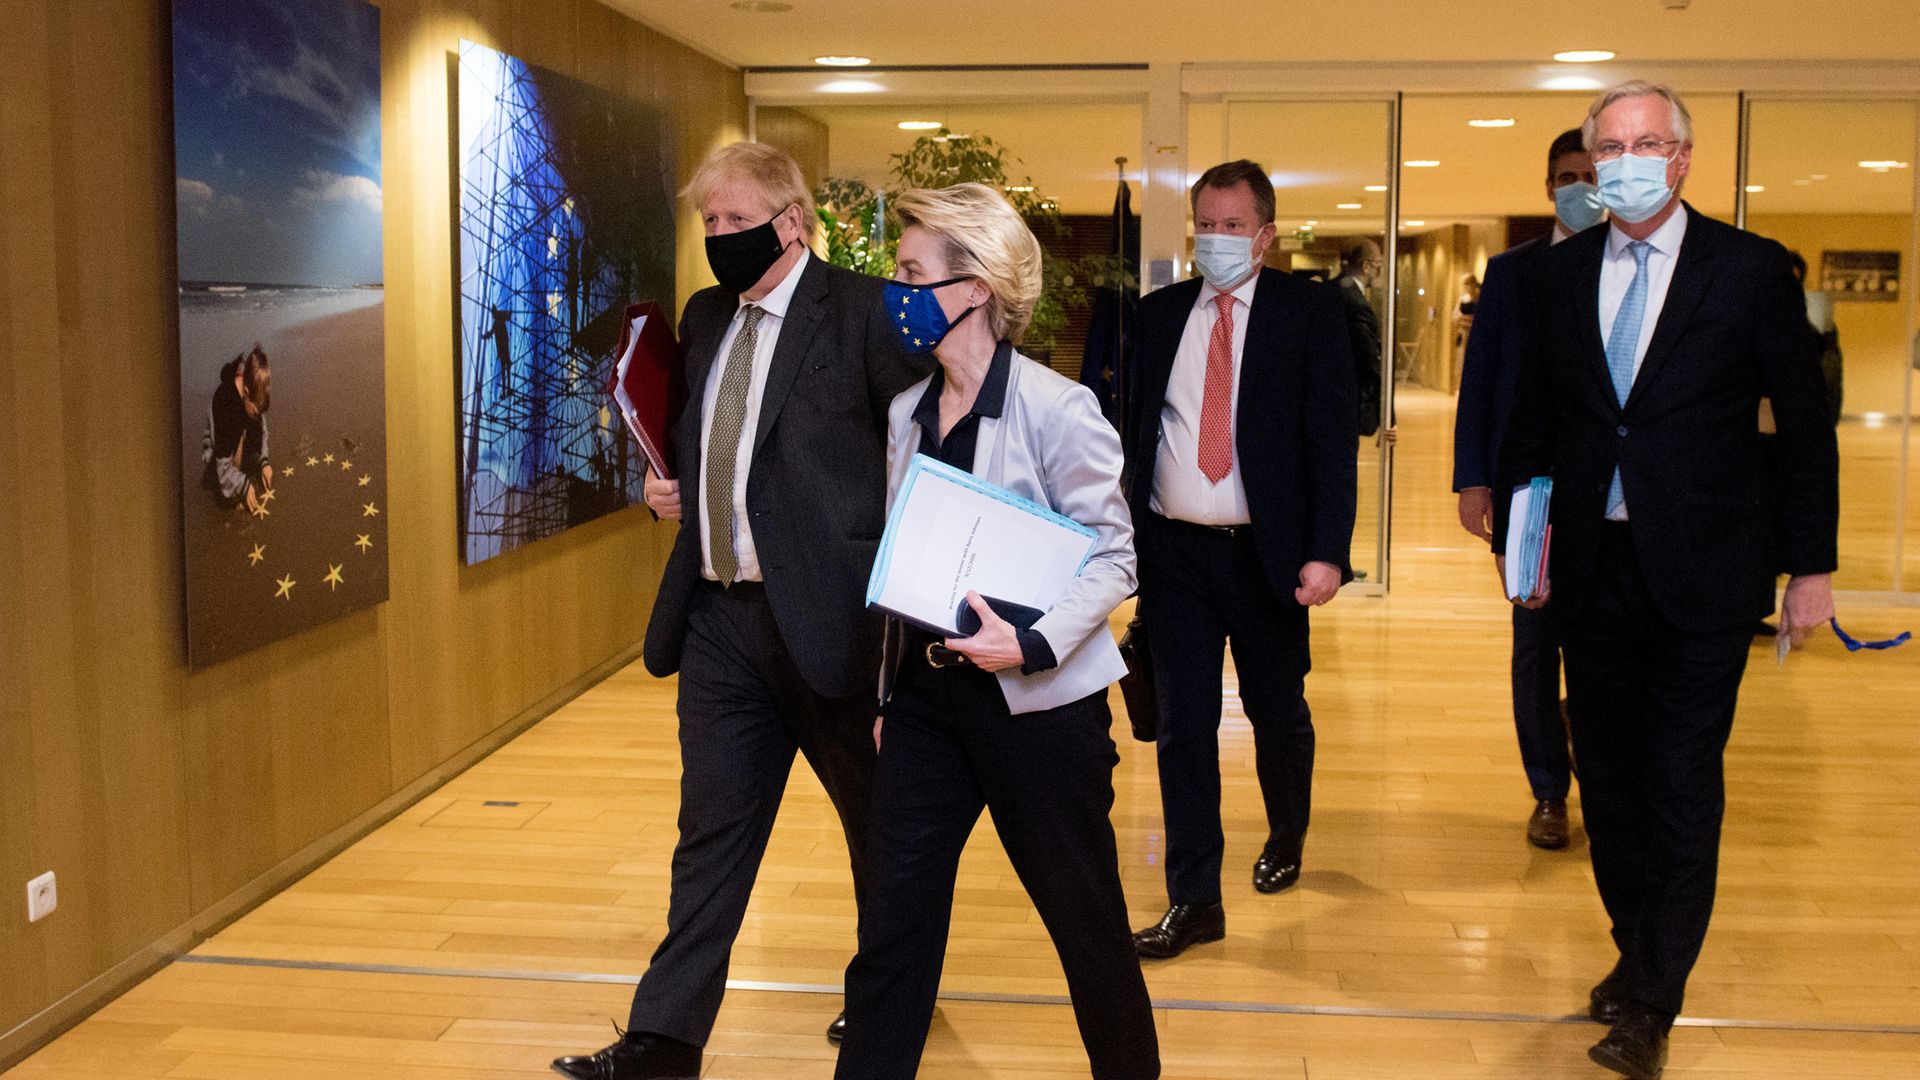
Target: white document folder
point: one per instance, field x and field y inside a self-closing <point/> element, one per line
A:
<point x="950" y="531"/>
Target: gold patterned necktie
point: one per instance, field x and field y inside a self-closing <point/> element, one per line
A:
<point x="723" y="445"/>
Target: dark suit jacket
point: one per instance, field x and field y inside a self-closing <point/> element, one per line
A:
<point x="1492" y="365"/>
<point x="1363" y="330"/>
<point x="817" y="489"/>
<point x="1733" y="329"/>
<point x="1294" y="434"/>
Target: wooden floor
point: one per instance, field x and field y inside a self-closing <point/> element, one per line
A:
<point x="1420" y="896"/>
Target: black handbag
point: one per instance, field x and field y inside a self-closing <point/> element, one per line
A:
<point x="1136" y="686"/>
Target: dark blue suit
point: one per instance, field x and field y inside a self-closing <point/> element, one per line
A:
<point x="1487" y="380"/>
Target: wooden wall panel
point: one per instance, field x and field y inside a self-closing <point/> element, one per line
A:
<point x="800" y="135"/>
<point x="154" y="792"/>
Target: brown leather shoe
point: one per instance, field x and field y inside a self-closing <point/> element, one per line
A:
<point x="1181" y="926"/>
<point x="1547" y="828"/>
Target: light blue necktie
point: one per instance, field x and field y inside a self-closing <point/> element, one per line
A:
<point x="1623" y="343"/>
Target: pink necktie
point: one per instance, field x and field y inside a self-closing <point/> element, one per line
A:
<point x="1216" y="402"/>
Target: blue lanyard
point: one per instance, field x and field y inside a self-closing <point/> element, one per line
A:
<point x="1854" y="644"/>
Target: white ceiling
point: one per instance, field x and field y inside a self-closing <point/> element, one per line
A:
<point x="1215" y="31"/>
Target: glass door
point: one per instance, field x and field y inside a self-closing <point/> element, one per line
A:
<point x="1834" y="180"/>
<point x="1332" y="165"/>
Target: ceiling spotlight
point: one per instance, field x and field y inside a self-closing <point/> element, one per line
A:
<point x="1583" y="56"/>
<point x="762" y="7"/>
<point x="851" y="86"/>
<point x="1025" y="188"/>
<point x="1375" y="187"/>
<point x="1421" y="163"/>
<point x="1346" y="206"/>
<point x="1310" y="224"/>
<point x="842" y="61"/>
<point x="953" y="136"/>
<point x="1571" y="82"/>
<point x="1755" y="189"/>
<point x="918" y="125"/>
<point x="1411" y="224"/>
<point x="1492" y="122"/>
<point x="1883" y="166"/>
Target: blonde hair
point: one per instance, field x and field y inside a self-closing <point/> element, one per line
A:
<point x="766" y="169"/>
<point x="984" y="238"/>
<point x="1678" y="116"/>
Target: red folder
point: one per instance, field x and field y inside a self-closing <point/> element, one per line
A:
<point x="648" y="382"/>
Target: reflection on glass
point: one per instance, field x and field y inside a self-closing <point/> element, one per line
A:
<point x="1329" y="165"/>
<point x="1833" y="181"/>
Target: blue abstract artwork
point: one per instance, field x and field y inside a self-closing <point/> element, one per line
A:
<point x="565" y="217"/>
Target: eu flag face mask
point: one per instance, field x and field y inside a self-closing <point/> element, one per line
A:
<point x="1578" y="205"/>
<point x="917" y="314"/>
<point x="1634" y="188"/>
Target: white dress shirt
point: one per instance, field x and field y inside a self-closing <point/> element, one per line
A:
<point x="1616" y="276"/>
<point x="766" y="336"/>
<point x="1180" y="490"/>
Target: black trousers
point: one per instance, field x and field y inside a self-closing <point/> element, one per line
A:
<point x="949" y="749"/>
<point x="1652" y="707"/>
<point x="1201" y="589"/>
<point x="1536" y="703"/>
<point x="744" y="710"/>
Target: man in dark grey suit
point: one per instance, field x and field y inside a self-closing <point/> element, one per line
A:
<point x="782" y="447"/>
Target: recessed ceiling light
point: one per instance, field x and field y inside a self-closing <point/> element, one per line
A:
<point x="1817" y="176"/>
<point x="1421" y="163"/>
<point x="953" y="136"/>
<point x="1492" y="122"/>
<point x="918" y="125"/>
<point x="1311" y="224"/>
<point x="842" y="61"/>
<point x="1755" y="189"/>
<point x="851" y="86"/>
<point x="1346" y="206"/>
<point x="1021" y="187"/>
<point x="1375" y="187"/>
<point x="1882" y="166"/>
<point x="1583" y="56"/>
<point x="1411" y="224"/>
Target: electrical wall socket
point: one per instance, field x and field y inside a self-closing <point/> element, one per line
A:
<point x="43" y="895"/>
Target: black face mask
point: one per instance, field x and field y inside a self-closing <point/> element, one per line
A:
<point x="741" y="259"/>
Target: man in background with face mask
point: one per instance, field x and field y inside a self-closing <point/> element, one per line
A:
<point x="1240" y="475"/>
<point x="791" y="364"/>
<point x="1652" y="344"/>
<point x="1493" y="360"/>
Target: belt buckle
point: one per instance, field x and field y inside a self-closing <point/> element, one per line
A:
<point x="939" y="656"/>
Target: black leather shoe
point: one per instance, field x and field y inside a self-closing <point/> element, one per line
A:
<point x="1603" y="1001"/>
<point x="637" y="1055"/>
<point x="1636" y="1047"/>
<point x="1181" y="926"/>
<point x="1271" y="872"/>
<point x="1547" y="828"/>
<point x="838" y="1029"/>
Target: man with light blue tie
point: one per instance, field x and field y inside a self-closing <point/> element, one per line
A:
<point x="1653" y="343"/>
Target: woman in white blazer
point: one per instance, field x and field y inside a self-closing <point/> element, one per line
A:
<point x="1011" y="720"/>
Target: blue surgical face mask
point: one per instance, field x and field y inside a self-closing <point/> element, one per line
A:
<point x="1578" y="205"/>
<point x="1634" y="188"/>
<point x="917" y="313"/>
<point x="1223" y="259"/>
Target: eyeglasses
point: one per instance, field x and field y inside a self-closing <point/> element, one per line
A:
<point x="1609" y="150"/>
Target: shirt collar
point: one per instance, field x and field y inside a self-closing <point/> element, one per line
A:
<point x="775" y="303"/>
<point x="1242" y="292"/>
<point x="991" y="401"/>
<point x="1665" y="239"/>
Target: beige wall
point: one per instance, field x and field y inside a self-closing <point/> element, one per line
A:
<point x="798" y="134"/>
<point x="159" y="796"/>
<point x="1873" y="336"/>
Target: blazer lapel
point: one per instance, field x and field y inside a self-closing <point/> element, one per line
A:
<point x="1685" y="290"/>
<point x="796" y="333"/>
<point x="1586" y="314"/>
<point x="1263" y="336"/>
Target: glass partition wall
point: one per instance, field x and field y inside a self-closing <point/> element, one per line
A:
<point x="1834" y="181"/>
